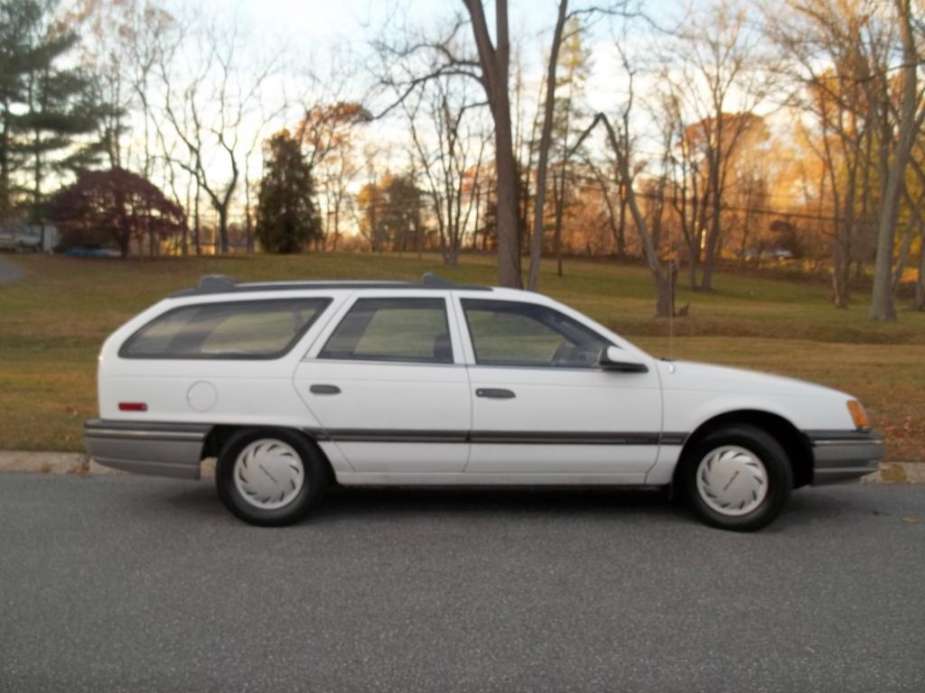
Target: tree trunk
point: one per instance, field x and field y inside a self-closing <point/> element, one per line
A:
<point x="664" y="287"/>
<point x="560" y="210"/>
<point x="709" y="260"/>
<point x="692" y="267"/>
<point x="495" y="64"/>
<point x="223" y="230"/>
<point x="716" y="200"/>
<point x="4" y="168"/>
<point x="248" y="215"/>
<point x="662" y="273"/>
<point x="536" y="245"/>
<point x="336" y="237"/>
<point x="920" y="284"/>
<point x="621" y="226"/>
<point x="881" y="305"/>
<point x="840" y="271"/>
<point x="197" y="240"/>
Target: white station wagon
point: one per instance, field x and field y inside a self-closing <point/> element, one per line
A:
<point x="295" y="386"/>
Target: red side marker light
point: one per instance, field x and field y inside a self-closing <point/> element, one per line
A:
<point x="133" y="406"/>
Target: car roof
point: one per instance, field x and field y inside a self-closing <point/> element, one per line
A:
<point x="221" y="284"/>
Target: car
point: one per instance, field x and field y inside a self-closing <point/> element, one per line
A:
<point x="294" y="386"/>
<point x="29" y="237"/>
<point x="91" y="251"/>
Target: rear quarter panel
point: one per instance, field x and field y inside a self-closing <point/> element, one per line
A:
<point x="245" y="391"/>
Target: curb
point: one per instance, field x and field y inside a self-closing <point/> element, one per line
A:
<point x="44" y="462"/>
<point x="81" y="465"/>
<point x="897" y="473"/>
<point x="63" y="463"/>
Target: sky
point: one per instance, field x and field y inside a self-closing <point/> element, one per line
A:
<point x="313" y="34"/>
<point x="315" y="27"/>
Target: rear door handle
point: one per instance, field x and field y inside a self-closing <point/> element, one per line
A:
<point x="321" y="389"/>
<point x="495" y="393"/>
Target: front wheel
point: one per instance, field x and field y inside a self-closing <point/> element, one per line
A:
<point x="738" y="477"/>
<point x="269" y="477"/>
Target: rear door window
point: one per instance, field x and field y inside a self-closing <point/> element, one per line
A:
<point x="263" y="329"/>
<point x="392" y="329"/>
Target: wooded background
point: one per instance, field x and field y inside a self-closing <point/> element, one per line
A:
<point x="754" y="134"/>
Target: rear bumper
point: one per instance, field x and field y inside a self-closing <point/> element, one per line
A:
<point x="844" y="455"/>
<point x="143" y="447"/>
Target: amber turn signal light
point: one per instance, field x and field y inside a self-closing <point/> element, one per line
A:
<point x="858" y="415"/>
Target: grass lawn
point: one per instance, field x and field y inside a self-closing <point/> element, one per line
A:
<point x="53" y="321"/>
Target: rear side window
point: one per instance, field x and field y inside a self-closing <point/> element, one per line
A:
<point x="239" y="330"/>
<point x="392" y="329"/>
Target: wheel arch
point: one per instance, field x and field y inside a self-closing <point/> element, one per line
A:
<point x="797" y="446"/>
<point x="219" y="434"/>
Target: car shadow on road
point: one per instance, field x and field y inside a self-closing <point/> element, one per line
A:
<point x="372" y="504"/>
<point x="473" y="502"/>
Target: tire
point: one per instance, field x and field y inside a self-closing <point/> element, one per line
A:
<point x="738" y="478"/>
<point x="270" y="477"/>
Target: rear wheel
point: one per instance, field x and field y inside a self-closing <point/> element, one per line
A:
<point x="738" y="477"/>
<point x="270" y="477"/>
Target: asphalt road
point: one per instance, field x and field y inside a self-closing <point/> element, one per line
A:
<point x="139" y="584"/>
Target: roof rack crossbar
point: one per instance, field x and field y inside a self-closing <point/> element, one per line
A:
<point x="216" y="283"/>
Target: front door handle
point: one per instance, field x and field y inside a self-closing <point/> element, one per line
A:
<point x="495" y="393"/>
<point x="320" y="389"/>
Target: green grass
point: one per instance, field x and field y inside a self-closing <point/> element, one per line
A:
<point x="53" y="321"/>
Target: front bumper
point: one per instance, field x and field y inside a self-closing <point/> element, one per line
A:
<point x="144" y="447"/>
<point x="844" y="455"/>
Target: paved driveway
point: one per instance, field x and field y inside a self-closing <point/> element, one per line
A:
<point x="9" y="272"/>
<point x="131" y="583"/>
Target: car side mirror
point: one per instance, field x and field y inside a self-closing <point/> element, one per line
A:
<point x="614" y="359"/>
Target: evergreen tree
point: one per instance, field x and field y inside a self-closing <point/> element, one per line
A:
<point x="46" y="108"/>
<point x="15" y="20"/>
<point x="287" y="218"/>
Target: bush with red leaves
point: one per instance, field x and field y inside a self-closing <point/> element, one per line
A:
<point x="115" y="206"/>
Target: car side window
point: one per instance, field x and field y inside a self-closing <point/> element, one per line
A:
<point x="392" y="329"/>
<point x="263" y="329"/>
<point x="511" y="333"/>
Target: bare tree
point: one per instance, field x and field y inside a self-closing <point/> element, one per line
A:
<point x="908" y="124"/>
<point x="830" y="53"/>
<point x="648" y="230"/>
<point x="494" y="59"/>
<point x="211" y="89"/>
<point x="490" y="67"/>
<point x="452" y="167"/>
<point x="918" y="213"/>
<point x="536" y="244"/>
<point x="720" y="75"/>
<point x="844" y="56"/>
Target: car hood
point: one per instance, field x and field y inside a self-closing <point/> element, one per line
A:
<point x="690" y="375"/>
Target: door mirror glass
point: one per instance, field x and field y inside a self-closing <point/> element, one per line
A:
<point x="614" y="359"/>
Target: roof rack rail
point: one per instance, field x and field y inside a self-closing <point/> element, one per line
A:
<point x="222" y="284"/>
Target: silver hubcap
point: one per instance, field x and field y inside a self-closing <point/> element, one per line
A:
<point x="268" y="474"/>
<point x="732" y="480"/>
